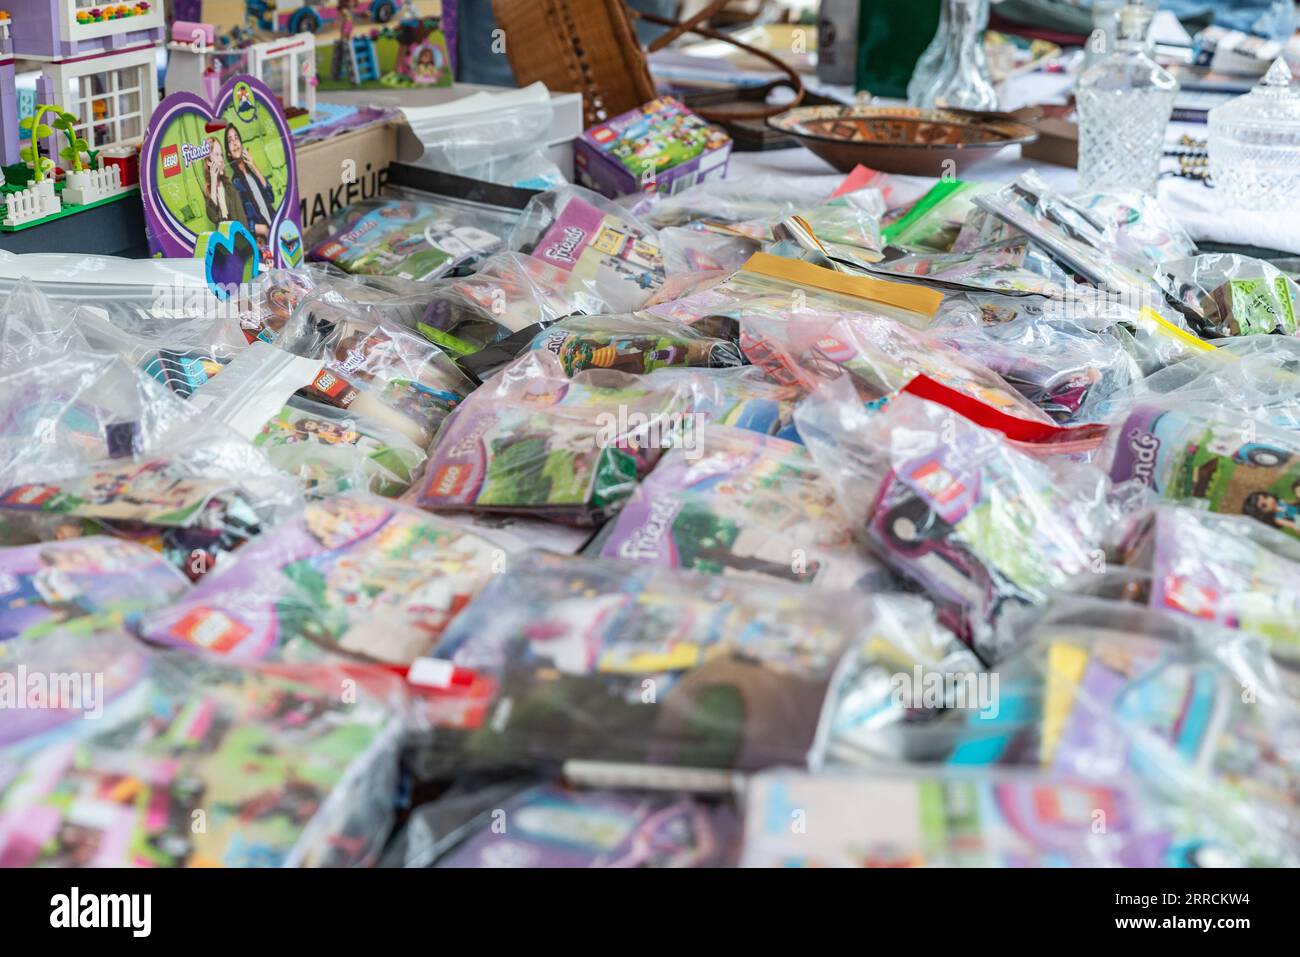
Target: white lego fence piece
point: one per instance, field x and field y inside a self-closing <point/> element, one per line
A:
<point x="92" y="185"/>
<point x="35" y="202"/>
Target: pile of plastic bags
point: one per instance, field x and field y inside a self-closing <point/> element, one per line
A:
<point x="739" y="526"/>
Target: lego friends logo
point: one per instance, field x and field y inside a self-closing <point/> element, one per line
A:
<point x="603" y="135"/>
<point x="563" y="250"/>
<point x="169" y="160"/>
<point x="192" y="154"/>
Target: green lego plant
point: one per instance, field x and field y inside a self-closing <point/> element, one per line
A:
<point x="39" y="131"/>
<point x="76" y="145"/>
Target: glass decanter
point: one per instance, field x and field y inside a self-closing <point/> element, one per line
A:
<point x="1255" y="144"/>
<point x="1124" y="105"/>
<point x="927" y="66"/>
<point x="963" y="80"/>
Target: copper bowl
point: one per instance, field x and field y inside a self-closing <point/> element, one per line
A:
<point x="901" y="139"/>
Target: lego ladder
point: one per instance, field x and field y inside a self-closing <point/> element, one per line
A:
<point x="362" y="53"/>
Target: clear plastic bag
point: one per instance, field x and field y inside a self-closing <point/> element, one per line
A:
<point x="744" y="199"/>
<point x="509" y="293"/>
<point x="1195" y="712"/>
<point x="1063" y="368"/>
<point x="881" y="358"/>
<point x="1258" y="376"/>
<point x="952" y="818"/>
<point x="609" y="256"/>
<point x="536" y="442"/>
<point x="353" y="576"/>
<point x="986" y="531"/>
<point x="742" y="505"/>
<point x="410" y="240"/>
<point x="331" y="451"/>
<point x="911" y="691"/>
<point x="934" y="221"/>
<point x="1110" y="240"/>
<point x="743" y="398"/>
<point x="639" y="829"/>
<point x="316" y="769"/>
<point x="1234" y="295"/>
<point x="558" y="658"/>
<point x="1013" y="267"/>
<point x="636" y="344"/>
<point x="1228" y="570"/>
<point x="92" y="443"/>
<point x="375" y="367"/>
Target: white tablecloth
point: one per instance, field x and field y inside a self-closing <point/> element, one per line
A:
<point x="1195" y="205"/>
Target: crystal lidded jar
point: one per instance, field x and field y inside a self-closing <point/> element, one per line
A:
<point x="1254" y="144"/>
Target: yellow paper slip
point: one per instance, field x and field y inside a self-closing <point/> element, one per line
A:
<point x="900" y="295"/>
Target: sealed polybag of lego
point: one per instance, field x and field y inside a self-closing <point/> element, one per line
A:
<point x="1197" y="713"/>
<point x="182" y="356"/>
<point x="352" y="575"/>
<point x="59" y="417"/>
<point x="912" y="691"/>
<point x="375" y="367"/>
<point x="637" y="829"/>
<point x="704" y="250"/>
<point x="1208" y="457"/>
<point x="537" y="442"/>
<point x="1258" y="376"/>
<point x="558" y="659"/>
<point x="82" y="585"/>
<point x="1229" y="570"/>
<point x="329" y="448"/>
<point x="410" y="240"/>
<point x="881" y="358"/>
<point x="331" y="451"/>
<point x="736" y="503"/>
<point x="1062" y="367"/>
<point x="987" y="531"/>
<point x="606" y="252"/>
<point x="508" y="293"/>
<point x="635" y="343"/>
<point x="743" y="397"/>
<point x="1114" y="241"/>
<point x="1234" y="295"/>
<point x="744" y="199"/>
<point x="285" y="769"/>
<point x="92" y="443"/>
<point x="953" y="818"/>
<point x="934" y="221"/>
<point x="1014" y="267"/>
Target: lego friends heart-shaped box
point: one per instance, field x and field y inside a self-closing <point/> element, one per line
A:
<point x="210" y="172"/>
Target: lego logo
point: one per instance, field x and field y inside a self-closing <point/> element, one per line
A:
<point x="449" y="481"/>
<point x="171" y="160"/>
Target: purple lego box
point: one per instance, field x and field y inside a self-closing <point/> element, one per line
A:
<point x="661" y="146"/>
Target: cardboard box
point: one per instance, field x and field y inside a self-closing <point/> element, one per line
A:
<point x="335" y="173"/>
<point x="662" y="138"/>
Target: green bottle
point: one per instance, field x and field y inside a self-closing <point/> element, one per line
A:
<point x="891" y="38"/>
